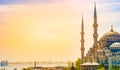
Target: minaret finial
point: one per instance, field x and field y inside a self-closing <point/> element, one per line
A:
<point x="95" y="12"/>
<point x="112" y="28"/>
<point x="82" y="23"/>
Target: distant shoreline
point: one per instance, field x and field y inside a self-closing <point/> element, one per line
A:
<point x="41" y="62"/>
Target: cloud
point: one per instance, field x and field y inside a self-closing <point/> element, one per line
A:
<point x="108" y="1"/>
<point x="30" y="1"/>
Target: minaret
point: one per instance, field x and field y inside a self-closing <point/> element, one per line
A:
<point x="82" y="40"/>
<point x="95" y="35"/>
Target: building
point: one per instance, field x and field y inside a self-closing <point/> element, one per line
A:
<point x="106" y="50"/>
<point x="48" y="68"/>
<point x="89" y="66"/>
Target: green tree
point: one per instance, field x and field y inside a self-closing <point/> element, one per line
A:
<point x="69" y="64"/>
<point x="24" y="69"/>
<point x="65" y="68"/>
<point x="115" y="68"/>
<point x="29" y="69"/>
<point x="77" y="64"/>
<point x="15" y="68"/>
<point x="101" y="67"/>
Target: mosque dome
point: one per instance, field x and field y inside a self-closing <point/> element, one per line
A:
<point x="117" y="44"/>
<point x="109" y="38"/>
<point x="111" y="35"/>
<point x="115" y="48"/>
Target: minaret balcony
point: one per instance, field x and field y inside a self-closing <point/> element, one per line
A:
<point x="95" y="35"/>
<point x="82" y="33"/>
<point x="95" y="25"/>
<point x="82" y="49"/>
<point x="82" y="40"/>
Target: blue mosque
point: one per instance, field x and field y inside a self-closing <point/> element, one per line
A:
<point x="105" y="51"/>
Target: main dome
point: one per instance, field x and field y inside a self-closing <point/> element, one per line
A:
<point x="109" y="38"/>
<point x="111" y="34"/>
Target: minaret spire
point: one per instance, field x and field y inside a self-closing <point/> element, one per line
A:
<point x="82" y="27"/>
<point x="95" y="25"/>
<point x="95" y="12"/>
<point x="82" y="40"/>
<point x="95" y="35"/>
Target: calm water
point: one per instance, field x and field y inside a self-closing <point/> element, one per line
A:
<point x="21" y="66"/>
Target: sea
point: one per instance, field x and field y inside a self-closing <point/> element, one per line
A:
<point x="20" y="66"/>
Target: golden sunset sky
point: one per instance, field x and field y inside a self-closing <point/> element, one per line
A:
<point x="49" y="30"/>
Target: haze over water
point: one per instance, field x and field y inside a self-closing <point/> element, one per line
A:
<point x="20" y="66"/>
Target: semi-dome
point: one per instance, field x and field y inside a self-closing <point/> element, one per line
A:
<point x="115" y="48"/>
<point x="117" y="44"/>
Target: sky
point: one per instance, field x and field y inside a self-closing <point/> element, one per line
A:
<point x="49" y="30"/>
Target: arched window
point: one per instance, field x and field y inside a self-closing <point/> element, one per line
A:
<point x="114" y="61"/>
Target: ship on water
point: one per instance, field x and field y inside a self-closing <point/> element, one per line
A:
<point x="4" y="63"/>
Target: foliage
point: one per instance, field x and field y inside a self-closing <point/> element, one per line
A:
<point x="101" y="67"/>
<point x="77" y="64"/>
<point x="15" y="68"/>
<point x="69" y="64"/>
<point x="66" y="68"/>
<point x="115" y="68"/>
<point x="26" y="69"/>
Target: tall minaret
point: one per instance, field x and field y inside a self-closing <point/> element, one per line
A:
<point x="95" y="25"/>
<point x="95" y="35"/>
<point x="82" y="40"/>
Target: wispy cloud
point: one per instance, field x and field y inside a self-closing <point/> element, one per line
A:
<point x="30" y="1"/>
<point x="106" y="1"/>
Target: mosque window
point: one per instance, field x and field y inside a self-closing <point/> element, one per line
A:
<point x="117" y="39"/>
<point x="114" y="39"/>
<point x="87" y="68"/>
<point x="119" y="62"/>
<point x="114" y="61"/>
<point x="84" y="69"/>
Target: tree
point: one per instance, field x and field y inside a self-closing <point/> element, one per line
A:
<point x="114" y="68"/>
<point x="69" y="64"/>
<point x="77" y="64"/>
<point x="15" y="68"/>
<point x="101" y="67"/>
<point x="72" y="67"/>
<point x="66" y="68"/>
<point x="26" y="69"/>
